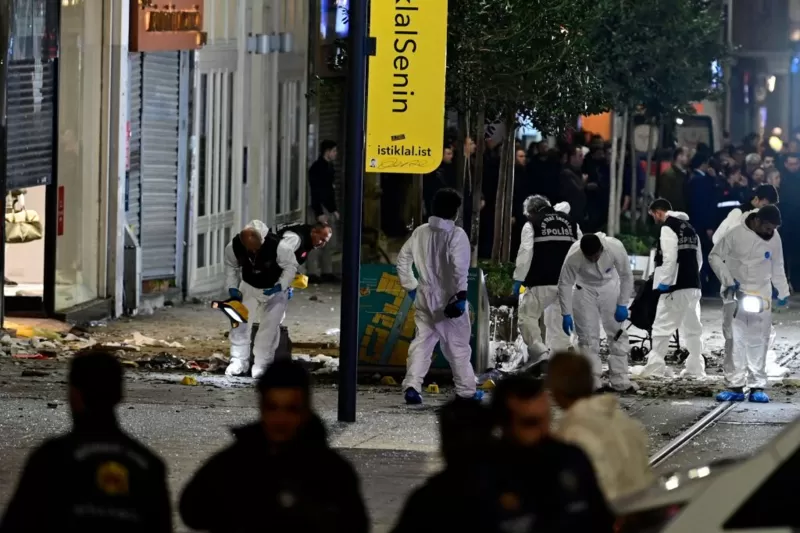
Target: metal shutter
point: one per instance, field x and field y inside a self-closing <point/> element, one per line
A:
<point x="31" y="95"/>
<point x="159" y="163"/>
<point x="133" y="198"/>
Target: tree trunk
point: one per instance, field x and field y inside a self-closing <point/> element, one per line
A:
<point x="621" y="172"/>
<point x="632" y="208"/>
<point x="461" y="157"/>
<point x="477" y="182"/>
<point x="499" y="203"/>
<point x="511" y="138"/>
<point x="649" y="190"/>
<point x="612" y="180"/>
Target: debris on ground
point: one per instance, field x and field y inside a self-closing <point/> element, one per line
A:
<point x="34" y="374"/>
<point x="189" y="381"/>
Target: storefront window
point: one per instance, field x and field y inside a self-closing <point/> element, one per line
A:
<point x="30" y="116"/>
<point x="77" y="249"/>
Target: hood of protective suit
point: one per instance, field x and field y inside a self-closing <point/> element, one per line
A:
<point x="260" y="227"/>
<point x="680" y="215"/>
<point x="562" y="207"/>
<point x="441" y="224"/>
<point x="614" y="442"/>
<point x="600" y="407"/>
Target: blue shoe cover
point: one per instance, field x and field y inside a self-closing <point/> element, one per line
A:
<point x="759" y="396"/>
<point x="413" y="397"/>
<point x="478" y="395"/>
<point x="730" y="396"/>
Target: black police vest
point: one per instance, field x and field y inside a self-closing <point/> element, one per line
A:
<point x="553" y="235"/>
<point x="688" y="244"/>
<point x="261" y="270"/>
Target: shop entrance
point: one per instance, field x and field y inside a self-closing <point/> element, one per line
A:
<point x="29" y="144"/>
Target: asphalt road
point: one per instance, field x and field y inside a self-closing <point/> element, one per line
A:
<point x="392" y="446"/>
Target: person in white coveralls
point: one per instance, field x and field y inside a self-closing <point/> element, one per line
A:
<point x="440" y="251"/>
<point x="596" y="284"/>
<point x="748" y="261"/>
<point x="546" y="240"/>
<point x="677" y="277"/>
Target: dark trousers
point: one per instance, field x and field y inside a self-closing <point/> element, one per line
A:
<point x="708" y="279"/>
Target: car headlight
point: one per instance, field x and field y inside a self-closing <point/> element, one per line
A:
<point x="751" y="304"/>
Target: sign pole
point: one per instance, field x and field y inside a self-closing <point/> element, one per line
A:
<point x="353" y="201"/>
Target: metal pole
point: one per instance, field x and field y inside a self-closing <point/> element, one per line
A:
<point x="5" y="34"/>
<point x="354" y="194"/>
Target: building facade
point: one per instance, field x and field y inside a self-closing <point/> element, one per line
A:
<point x="143" y="138"/>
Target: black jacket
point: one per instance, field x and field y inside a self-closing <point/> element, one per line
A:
<point x="321" y="177"/>
<point x="93" y="479"/>
<point x="551" y="486"/>
<point x="246" y="488"/>
<point x="572" y="192"/>
<point x="449" y="501"/>
<point x="441" y="178"/>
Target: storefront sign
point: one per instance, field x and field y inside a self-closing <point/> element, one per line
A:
<point x="157" y="27"/>
<point x="405" y="91"/>
<point x="60" y="215"/>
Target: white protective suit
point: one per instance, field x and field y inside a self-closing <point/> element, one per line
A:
<point x="267" y="311"/>
<point x="539" y="300"/>
<point x="615" y="443"/>
<point x="734" y="218"/>
<point x="441" y="253"/>
<point x="598" y="288"/>
<point x="742" y="255"/>
<point x="677" y="310"/>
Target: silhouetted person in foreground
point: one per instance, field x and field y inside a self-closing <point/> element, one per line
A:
<point x="541" y="484"/>
<point x="451" y="500"/>
<point x="95" y="478"/>
<point x="279" y="475"/>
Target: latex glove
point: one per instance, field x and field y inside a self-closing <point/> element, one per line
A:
<point x="235" y="294"/>
<point x="289" y="293"/>
<point x="621" y="314"/>
<point x="517" y="288"/>
<point x="567" y="324"/>
<point x="783" y="302"/>
<point x="735" y="286"/>
<point x="662" y="287"/>
<point x="412" y="294"/>
<point x="455" y="309"/>
<point x="274" y="290"/>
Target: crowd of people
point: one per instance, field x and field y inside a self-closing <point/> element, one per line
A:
<point x="704" y="184"/>
<point x="505" y="469"/>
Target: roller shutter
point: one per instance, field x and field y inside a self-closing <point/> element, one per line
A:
<point x="31" y="95"/>
<point x="133" y="194"/>
<point x="159" y="163"/>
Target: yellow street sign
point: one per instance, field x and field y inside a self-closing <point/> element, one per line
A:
<point x="405" y="91"/>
